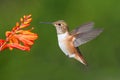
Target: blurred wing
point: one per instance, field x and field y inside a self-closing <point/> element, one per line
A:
<point x="86" y="36"/>
<point x="83" y="28"/>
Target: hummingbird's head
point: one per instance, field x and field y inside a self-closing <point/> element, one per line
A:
<point x="61" y="26"/>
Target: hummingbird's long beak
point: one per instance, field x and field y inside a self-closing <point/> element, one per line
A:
<point x="46" y="22"/>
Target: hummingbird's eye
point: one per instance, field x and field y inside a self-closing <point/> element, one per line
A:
<point x="59" y="24"/>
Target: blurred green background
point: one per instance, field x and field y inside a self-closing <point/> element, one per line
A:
<point x="46" y="61"/>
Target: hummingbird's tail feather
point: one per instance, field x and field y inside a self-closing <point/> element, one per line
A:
<point x="80" y="59"/>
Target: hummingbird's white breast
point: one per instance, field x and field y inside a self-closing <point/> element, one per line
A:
<point x="63" y="43"/>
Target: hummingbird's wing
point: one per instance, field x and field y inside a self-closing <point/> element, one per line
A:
<point x="83" y="28"/>
<point x="84" y="37"/>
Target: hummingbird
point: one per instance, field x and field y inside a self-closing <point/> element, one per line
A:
<point x="69" y="42"/>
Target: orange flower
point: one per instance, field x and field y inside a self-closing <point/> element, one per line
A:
<point x="18" y="38"/>
<point x="2" y="44"/>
